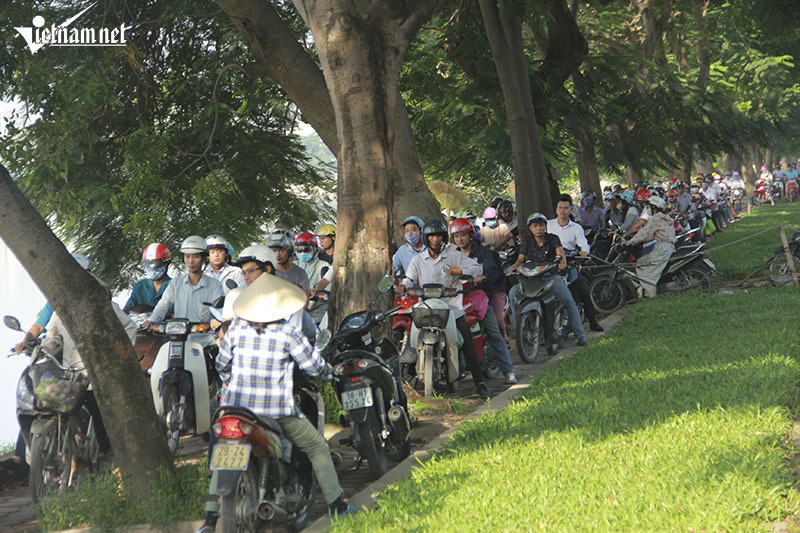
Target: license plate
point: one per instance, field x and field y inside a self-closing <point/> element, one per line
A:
<point x="356" y="399"/>
<point x="709" y="263"/>
<point x="230" y="457"/>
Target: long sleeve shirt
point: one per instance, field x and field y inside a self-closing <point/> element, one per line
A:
<point x="403" y="256"/>
<point x="186" y="300"/>
<point x="425" y="269"/>
<point x="572" y="236"/>
<point x="225" y="273"/>
<point x="258" y="369"/>
<point x="659" y="227"/>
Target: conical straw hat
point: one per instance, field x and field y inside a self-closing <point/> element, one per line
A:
<point x="268" y="299"/>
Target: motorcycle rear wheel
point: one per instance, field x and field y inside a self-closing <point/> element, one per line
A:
<point x="529" y="335"/>
<point x="489" y="367"/>
<point x="607" y="294"/>
<point x="238" y="509"/>
<point x="51" y="460"/>
<point x="559" y="331"/>
<point x="779" y="272"/>
<point x="694" y="277"/>
<point x="371" y="446"/>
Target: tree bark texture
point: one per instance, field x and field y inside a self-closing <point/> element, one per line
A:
<point x="361" y="55"/>
<point x="586" y="160"/>
<point x="281" y="57"/>
<point x="530" y="173"/>
<point x="85" y="309"/>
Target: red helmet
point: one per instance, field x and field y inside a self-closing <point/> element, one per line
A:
<point x="459" y="225"/>
<point x="155" y="255"/>
<point x="306" y="238"/>
<point x="643" y="195"/>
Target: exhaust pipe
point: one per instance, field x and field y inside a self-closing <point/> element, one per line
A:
<point x="269" y="511"/>
<point x="399" y="422"/>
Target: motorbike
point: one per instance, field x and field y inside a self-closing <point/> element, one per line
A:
<point x="688" y="267"/>
<point x="434" y="337"/>
<point x="366" y="377"/>
<point x="184" y="381"/>
<point x="56" y="423"/>
<point x="792" y="190"/>
<point x="146" y="343"/>
<point x="541" y="318"/>
<point x="760" y="194"/>
<point x="737" y="199"/>
<point x="778" y="266"/>
<point x="264" y="481"/>
<point x="489" y="367"/>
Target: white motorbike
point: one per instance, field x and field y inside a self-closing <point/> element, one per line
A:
<point x="184" y="382"/>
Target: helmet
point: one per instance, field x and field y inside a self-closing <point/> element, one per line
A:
<point x="505" y="206"/>
<point x="434" y="227"/>
<point x="82" y="260"/>
<point x="306" y="238"/>
<point x="194" y="244"/>
<point x="694" y="189"/>
<point x="489" y="213"/>
<point x="536" y="217"/>
<point x="155" y="255"/>
<point x="587" y="198"/>
<point x="763" y="168"/>
<point x="625" y="196"/>
<point x="495" y="202"/>
<point x="324" y="230"/>
<point x="469" y="213"/>
<point x="459" y="225"/>
<point x="607" y="188"/>
<point x="611" y="196"/>
<point x="643" y="195"/>
<point x="658" y="202"/>
<point x="215" y="241"/>
<point x="281" y="238"/>
<point x="615" y="188"/>
<point x="259" y="253"/>
<point x="672" y="195"/>
<point x="416" y="220"/>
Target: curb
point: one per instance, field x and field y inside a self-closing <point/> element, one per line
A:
<point x="369" y="494"/>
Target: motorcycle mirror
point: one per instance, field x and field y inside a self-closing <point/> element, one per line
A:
<point x="219" y="302"/>
<point x="12" y="323"/>
<point x="230" y="284"/>
<point x="322" y="340"/>
<point x="385" y="283"/>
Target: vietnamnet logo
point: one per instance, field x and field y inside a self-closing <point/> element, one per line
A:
<point x="62" y="35"/>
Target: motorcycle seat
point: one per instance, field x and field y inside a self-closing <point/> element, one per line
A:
<point x="271" y="423"/>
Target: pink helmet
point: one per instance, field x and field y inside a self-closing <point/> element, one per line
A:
<point x="490" y="212"/>
<point x="763" y="168"/>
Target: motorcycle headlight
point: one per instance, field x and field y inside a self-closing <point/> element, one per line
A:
<point x="177" y="327"/>
<point x="532" y="271"/>
<point x="24" y="395"/>
<point x="432" y="292"/>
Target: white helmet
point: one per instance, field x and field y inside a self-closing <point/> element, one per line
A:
<point x="82" y="260"/>
<point x="258" y="253"/>
<point x="194" y="244"/>
<point x="216" y="241"/>
<point x="657" y="201"/>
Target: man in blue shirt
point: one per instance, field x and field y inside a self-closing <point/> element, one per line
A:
<point x="412" y="226"/>
<point x="148" y="291"/>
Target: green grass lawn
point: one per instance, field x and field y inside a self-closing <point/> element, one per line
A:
<point x="741" y="259"/>
<point x="676" y="421"/>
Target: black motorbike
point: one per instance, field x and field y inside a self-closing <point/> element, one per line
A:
<point x="366" y="377"/>
<point x="541" y="317"/>
<point x="778" y="266"/>
<point x="57" y="425"/>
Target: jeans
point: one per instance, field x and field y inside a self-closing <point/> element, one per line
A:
<point x="306" y="437"/>
<point x="495" y="340"/>
<point x="560" y="291"/>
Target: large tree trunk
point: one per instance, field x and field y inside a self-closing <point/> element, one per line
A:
<point x="85" y="309"/>
<point x="281" y="57"/>
<point x="361" y="53"/>
<point x="586" y="160"/>
<point x="530" y="173"/>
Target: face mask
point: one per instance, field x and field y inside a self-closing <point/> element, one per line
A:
<point x="156" y="273"/>
<point x="305" y="257"/>
<point x="588" y="202"/>
<point x="491" y="223"/>
<point x="413" y="238"/>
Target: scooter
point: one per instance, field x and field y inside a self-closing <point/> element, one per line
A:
<point x="489" y="367"/>
<point x="56" y="423"/>
<point x="183" y="379"/>
<point x="791" y="190"/>
<point x="366" y="377"/>
<point x="264" y="481"/>
<point x="540" y="315"/>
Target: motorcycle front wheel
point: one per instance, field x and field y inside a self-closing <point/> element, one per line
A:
<point x="427" y="372"/>
<point x="171" y="417"/>
<point x="238" y="511"/>
<point x="51" y="460"/>
<point x="607" y="294"/>
<point x="779" y="272"/>
<point x="371" y="446"/>
<point x="489" y="367"/>
<point x="529" y="335"/>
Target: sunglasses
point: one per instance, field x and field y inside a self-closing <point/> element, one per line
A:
<point x="303" y="250"/>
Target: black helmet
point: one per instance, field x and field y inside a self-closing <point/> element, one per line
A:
<point x="495" y="202"/>
<point x="434" y="227"/>
<point x="504" y="206"/>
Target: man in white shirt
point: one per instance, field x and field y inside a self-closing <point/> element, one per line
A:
<point x="573" y="239"/>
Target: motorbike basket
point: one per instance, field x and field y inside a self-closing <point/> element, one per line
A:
<point x="430" y="318"/>
<point x="56" y="388"/>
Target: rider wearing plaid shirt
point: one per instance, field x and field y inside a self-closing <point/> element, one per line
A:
<point x="258" y="368"/>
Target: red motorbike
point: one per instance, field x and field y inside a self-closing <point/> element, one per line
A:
<point x="401" y="322"/>
<point x="761" y="193"/>
<point x="475" y="303"/>
<point x="792" y="190"/>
